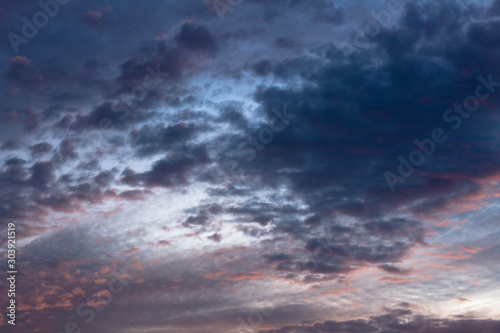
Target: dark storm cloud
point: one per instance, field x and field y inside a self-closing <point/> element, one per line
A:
<point x="285" y="69"/>
<point x="15" y="161"/>
<point x="322" y="116"/>
<point x="67" y="150"/>
<point x="284" y="42"/>
<point x="171" y="171"/>
<point x="231" y="112"/>
<point x="21" y="69"/>
<point x="41" y="148"/>
<point x="159" y="58"/>
<point x="77" y="87"/>
<point x="10" y="145"/>
<point x="484" y="35"/>
<point x="85" y="192"/>
<point x="278" y="257"/>
<point x="393" y="269"/>
<point x="109" y="115"/>
<point x="215" y="237"/>
<point x="29" y="119"/>
<point x="340" y="257"/>
<point x="55" y="74"/>
<point x="355" y="119"/>
<point x="14" y="175"/>
<point x="328" y="12"/>
<point x="90" y="165"/>
<point x="352" y="119"/>
<point x="494" y="10"/>
<point x="167" y="59"/>
<point x="262" y="67"/>
<point x="151" y="140"/>
<point x="104" y="178"/>
<point x="316" y="10"/>
<point x="263" y="213"/>
<point x="200" y="219"/>
<point x="201" y="216"/>
<point x="42" y="173"/>
<point x="413" y="230"/>
<point x="134" y="194"/>
<point x="196" y="38"/>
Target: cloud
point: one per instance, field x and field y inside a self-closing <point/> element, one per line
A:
<point x="396" y="321"/>
<point x="41" y="148"/>
<point x="116" y="144"/>
<point x="41" y="174"/>
<point x="171" y="171"/>
<point x="151" y="140"/>
<point x="196" y="38"/>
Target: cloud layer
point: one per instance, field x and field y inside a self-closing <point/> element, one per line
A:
<point x="267" y="166"/>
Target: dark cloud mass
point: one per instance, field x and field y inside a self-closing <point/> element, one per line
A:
<point x="223" y="166"/>
<point x="196" y="38"/>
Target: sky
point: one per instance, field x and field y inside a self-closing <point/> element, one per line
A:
<point x="237" y="166"/>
